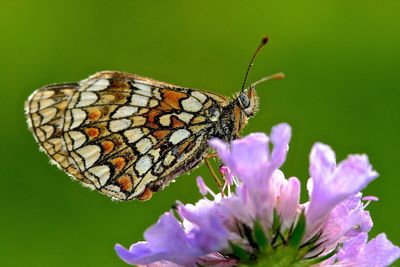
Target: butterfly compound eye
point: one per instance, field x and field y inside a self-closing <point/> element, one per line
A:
<point x="244" y="101"/>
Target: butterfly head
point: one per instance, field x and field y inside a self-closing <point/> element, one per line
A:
<point x="248" y="102"/>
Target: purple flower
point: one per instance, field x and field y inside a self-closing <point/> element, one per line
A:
<point x="258" y="219"/>
<point x="358" y="251"/>
<point x="331" y="184"/>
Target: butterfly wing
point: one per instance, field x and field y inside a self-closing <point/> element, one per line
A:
<point x="120" y="133"/>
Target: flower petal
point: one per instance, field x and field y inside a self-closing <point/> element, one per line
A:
<point x="207" y="232"/>
<point x="352" y="175"/>
<point x="202" y="186"/>
<point x="322" y="162"/>
<point x="287" y="203"/>
<point x="377" y="252"/>
<point x="162" y="264"/>
<point x="138" y="253"/>
<point x="331" y="185"/>
<point x="247" y="157"/>
<point x="380" y="251"/>
<point x="347" y="219"/>
<point x="167" y="228"/>
<point x="159" y="246"/>
<point x="222" y="149"/>
<point x="280" y="138"/>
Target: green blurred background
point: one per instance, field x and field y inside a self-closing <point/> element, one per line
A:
<point x="341" y="58"/>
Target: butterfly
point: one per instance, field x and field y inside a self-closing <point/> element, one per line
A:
<point x="128" y="136"/>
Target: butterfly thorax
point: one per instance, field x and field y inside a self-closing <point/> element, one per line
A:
<point x="225" y="126"/>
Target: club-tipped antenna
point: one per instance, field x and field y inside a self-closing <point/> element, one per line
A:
<point x="264" y="41"/>
<point x="276" y="76"/>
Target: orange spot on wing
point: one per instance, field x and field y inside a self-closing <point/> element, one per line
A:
<point x="125" y="183"/>
<point x="146" y="195"/>
<point x="108" y="146"/>
<point x="183" y="146"/>
<point x="92" y="132"/>
<point x="161" y="134"/>
<point x="164" y="106"/>
<point x="119" y="163"/>
<point x="177" y="123"/>
<point x="151" y="118"/>
<point x="94" y="114"/>
<point x="172" y="98"/>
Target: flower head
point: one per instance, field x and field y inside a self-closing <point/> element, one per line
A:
<point x="261" y="220"/>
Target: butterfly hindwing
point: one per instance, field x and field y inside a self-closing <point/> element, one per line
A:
<point x="120" y="133"/>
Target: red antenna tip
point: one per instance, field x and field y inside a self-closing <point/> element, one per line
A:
<point x="278" y="76"/>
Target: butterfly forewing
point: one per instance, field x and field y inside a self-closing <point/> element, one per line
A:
<point x="120" y="133"/>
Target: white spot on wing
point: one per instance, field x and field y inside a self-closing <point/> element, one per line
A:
<point x="165" y="120"/>
<point x="48" y="129"/>
<point x="40" y="134"/>
<point x="78" y="117"/>
<point x="47" y="94"/>
<point x="168" y="159"/>
<point x="90" y="154"/>
<point x="133" y="134"/>
<point x="103" y="172"/>
<point x="48" y="114"/>
<point x="78" y="138"/>
<point x="144" y="88"/>
<point x="185" y="117"/>
<point x="155" y="153"/>
<point x="191" y="104"/>
<point x="178" y="136"/>
<point x="35" y="119"/>
<point x="124" y="111"/>
<point x="143" y="164"/>
<point x="99" y="85"/>
<point x="46" y="103"/>
<point x="32" y="106"/>
<point x="94" y="180"/>
<point x="144" y="145"/>
<point x="139" y="100"/>
<point x="119" y="125"/>
<point x="153" y="103"/>
<point x="199" y="96"/>
<point x="138" y="121"/>
<point x="87" y="99"/>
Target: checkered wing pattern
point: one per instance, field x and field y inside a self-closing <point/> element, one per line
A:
<point x="120" y="133"/>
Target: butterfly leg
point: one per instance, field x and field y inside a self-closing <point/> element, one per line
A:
<point x="209" y="166"/>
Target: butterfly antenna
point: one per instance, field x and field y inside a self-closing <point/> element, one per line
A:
<point x="264" y="41"/>
<point x="276" y="76"/>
